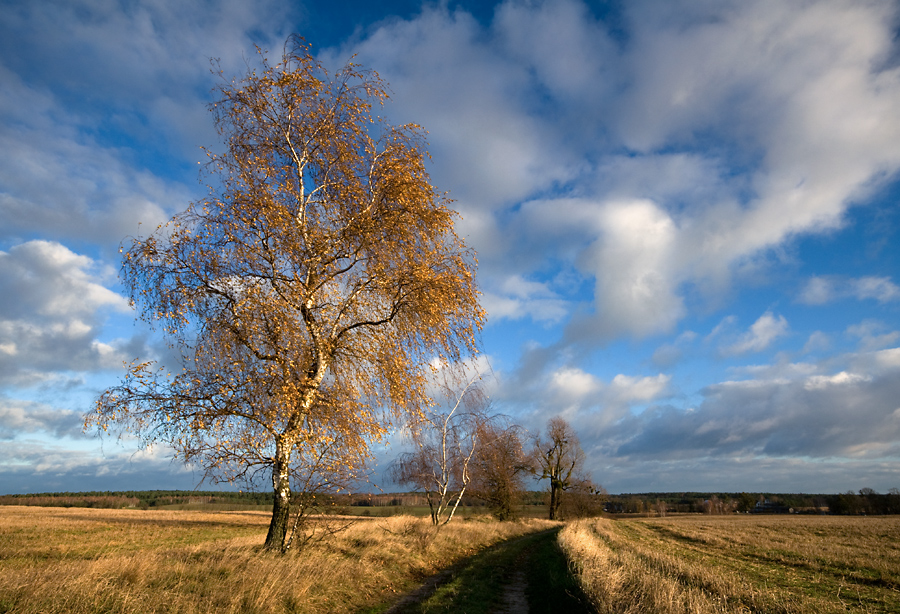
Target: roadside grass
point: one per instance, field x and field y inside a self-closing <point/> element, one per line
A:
<point x="99" y="560"/>
<point x="780" y="564"/>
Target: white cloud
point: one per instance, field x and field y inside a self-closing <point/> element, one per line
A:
<point x="18" y="417"/>
<point x="640" y="389"/>
<point x="636" y="270"/>
<point x="519" y="298"/>
<point x="575" y="383"/>
<point x="51" y="312"/>
<point x="762" y="333"/>
<point x="838" y="379"/>
<point x="873" y="335"/>
<point x="797" y="122"/>
<point x="820" y="290"/>
<point x="881" y="289"/>
<point x="803" y="414"/>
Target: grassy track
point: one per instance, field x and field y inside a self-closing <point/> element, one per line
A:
<point x="479" y="586"/>
<point x="780" y="564"/>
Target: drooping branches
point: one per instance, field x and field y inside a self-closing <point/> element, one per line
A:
<point x="445" y="442"/>
<point x="307" y="293"/>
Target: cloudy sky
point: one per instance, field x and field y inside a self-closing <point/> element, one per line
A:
<point x="685" y="214"/>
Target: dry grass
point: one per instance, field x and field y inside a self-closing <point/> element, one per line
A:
<point x="780" y="564"/>
<point x="81" y="560"/>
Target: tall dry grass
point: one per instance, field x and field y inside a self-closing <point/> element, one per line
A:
<point x="68" y="560"/>
<point x="738" y="564"/>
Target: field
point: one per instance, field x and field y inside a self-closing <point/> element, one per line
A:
<point x="104" y="560"/>
<point x="699" y="564"/>
<point x="99" y="560"/>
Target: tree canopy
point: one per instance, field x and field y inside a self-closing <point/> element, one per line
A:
<point x="308" y="295"/>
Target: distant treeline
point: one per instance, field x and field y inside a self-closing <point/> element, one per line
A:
<point x="143" y="499"/>
<point x="866" y="501"/>
<point x="147" y="499"/>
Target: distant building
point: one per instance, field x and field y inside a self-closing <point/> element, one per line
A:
<point x="770" y="507"/>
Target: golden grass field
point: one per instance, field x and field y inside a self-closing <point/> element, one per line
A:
<point x="89" y="560"/>
<point x="774" y="564"/>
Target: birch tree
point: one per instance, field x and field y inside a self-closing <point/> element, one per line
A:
<point x="307" y="294"/>
<point x="444" y="445"/>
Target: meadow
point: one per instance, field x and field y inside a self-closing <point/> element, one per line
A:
<point x="786" y="564"/>
<point x="129" y="560"/>
<point x="103" y="560"/>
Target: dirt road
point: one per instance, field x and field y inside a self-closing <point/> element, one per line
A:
<point x="527" y="575"/>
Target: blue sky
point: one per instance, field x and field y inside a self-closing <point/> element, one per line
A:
<point x="685" y="214"/>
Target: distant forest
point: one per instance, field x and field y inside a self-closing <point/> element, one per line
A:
<point x="867" y="501"/>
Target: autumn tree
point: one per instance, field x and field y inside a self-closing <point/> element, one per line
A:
<point x="559" y="459"/>
<point x="308" y="294"/>
<point x="444" y="444"/>
<point x="500" y="465"/>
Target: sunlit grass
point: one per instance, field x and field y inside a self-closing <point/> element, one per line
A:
<point x="88" y="560"/>
<point x="787" y="564"/>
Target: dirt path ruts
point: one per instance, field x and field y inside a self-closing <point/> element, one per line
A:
<point x="515" y="598"/>
<point x="536" y="581"/>
<point x="408" y="602"/>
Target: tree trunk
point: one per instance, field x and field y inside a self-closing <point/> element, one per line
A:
<point x="281" y="508"/>
<point x="554" y="499"/>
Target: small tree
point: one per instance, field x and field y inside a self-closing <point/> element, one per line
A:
<point x="584" y="499"/>
<point x="313" y="287"/>
<point x="445" y="446"/>
<point x="500" y="465"/>
<point x="559" y="457"/>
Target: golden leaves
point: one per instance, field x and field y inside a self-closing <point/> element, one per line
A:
<point x="310" y="291"/>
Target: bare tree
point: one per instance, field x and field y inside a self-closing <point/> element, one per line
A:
<point x="584" y="499"/>
<point x="661" y="508"/>
<point x="311" y="290"/>
<point x="500" y="466"/>
<point x="559" y="458"/>
<point x="445" y="444"/>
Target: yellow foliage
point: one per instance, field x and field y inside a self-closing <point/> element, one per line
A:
<point x="308" y="291"/>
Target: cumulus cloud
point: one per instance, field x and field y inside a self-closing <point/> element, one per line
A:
<point x="519" y="298"/>
<point x="111" y="70"/>
<point x="850" y="413"/>
<point x="873" y="335"/>
<point x="827" y="288"/>
<point x="32" y="465"/>
<point x="762" y="333"/>
<point x="589" y="402"/>
<point x="743" y="123"/>
<point x="24" y="417"/>
<point x="50" y="312"/>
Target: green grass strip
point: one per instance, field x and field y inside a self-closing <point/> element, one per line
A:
<point x="478" y="587"/>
